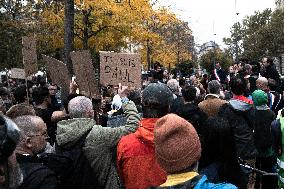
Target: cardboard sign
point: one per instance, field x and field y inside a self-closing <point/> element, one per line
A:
<point x="18" y="73"/>
<point x="85" y="72"/>
<point x="58" y="73"/>
<point x="121" y="68"/>
<point x="29" y="55"/>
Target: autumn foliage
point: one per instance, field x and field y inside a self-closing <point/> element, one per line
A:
<point x="109" y="25"/>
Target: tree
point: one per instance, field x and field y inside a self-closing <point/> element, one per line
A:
<point x="234" y="43"/>
<point x="14" y="23"/>
<point x="212" y="56"/>
<point x="136" y="26"/>
<point x="185" y="68"/>
<point x="258" y="35"/>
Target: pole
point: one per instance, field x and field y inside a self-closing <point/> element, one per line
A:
<point x="148" y="55"/>
<point x="27" y="90"/>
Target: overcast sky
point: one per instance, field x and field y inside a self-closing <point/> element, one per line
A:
<point x="206" y="17"/>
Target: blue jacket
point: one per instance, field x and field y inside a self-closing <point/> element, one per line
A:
<point x="199" y="182"/>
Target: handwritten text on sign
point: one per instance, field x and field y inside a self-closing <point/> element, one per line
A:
<point x="120" y="68"/>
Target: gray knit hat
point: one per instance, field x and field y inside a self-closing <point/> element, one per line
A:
<point x="157" y="94"/>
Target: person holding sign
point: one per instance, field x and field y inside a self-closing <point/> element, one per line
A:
<point x="99" y="144"/>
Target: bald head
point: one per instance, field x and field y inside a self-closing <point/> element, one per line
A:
<point x="80" y="107"/>
<point x="33" y="134"/>
<point x="28" y="124"/>
<point x="262" y="83"/>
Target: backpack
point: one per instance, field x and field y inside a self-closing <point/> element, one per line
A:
<point x="72" y="167"/>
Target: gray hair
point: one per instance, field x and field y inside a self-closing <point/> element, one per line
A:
<point x="262" y="80"/>
<point x="79" y="106"/>
<point x="214" y="87"/>
<point x="27" y="125"/>
<point x="173" y="85"/>
<point x="262" y="83"/>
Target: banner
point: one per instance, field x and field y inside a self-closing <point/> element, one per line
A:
<point x="121" y="68"/>
<point x="58" y="73"/>
<point x="85" y="72"/>
<point x="18" y="73"/>
<point x="29" y="55"/>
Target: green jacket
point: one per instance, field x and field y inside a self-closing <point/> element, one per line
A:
<point x="100" y="144"/>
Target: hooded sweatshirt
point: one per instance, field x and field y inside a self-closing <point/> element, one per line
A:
<point x="100" y="144"/>
<point x="241" y="116"/>
<point x="136" y="160"/>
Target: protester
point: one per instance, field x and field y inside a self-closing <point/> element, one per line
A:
<point x="219" y="74"/>
<point x="270" y="71"/>
<point x="10" y="172"/>
<point x="277" y="128"/>
<point x="263" y="138"/>
<point x="20" y="110"/>
<point x="178" y="101"/>
<point x="178" y="150"/>
<point x="43" y="109"/>
<point x="53" y="89"/>
<point x="135" y="96"/>
<point x="219" y="160"/>
<point x="253" y="77"/>
<point x="212" y="101"/>
<point x="190" y="111"/>
<point x="20" y="94"/>
<point x="100" y="142"/>
<point x="275" y="100"/>
<point x="33" y="142"/>
<point x="5" y="96"/>
<point x="136" y="160"/>
<point x="204" y="81"/>
<point x="239" y="113"/>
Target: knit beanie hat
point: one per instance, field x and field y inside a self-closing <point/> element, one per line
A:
<point x="259" y="98"/>
<point x="157" y="95"/>
<point x="177" y="144"/>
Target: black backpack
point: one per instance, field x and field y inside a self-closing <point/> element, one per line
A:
<point x="72" y="167"/>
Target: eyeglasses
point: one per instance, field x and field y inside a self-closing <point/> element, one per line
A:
<point x="45" y="135"/>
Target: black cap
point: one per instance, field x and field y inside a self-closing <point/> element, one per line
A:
<point x="157" y="94"/>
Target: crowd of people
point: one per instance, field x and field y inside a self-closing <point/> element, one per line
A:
<point x="220" y="130"/>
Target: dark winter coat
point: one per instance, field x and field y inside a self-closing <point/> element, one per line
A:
<point x="176" y="104"/>
<point x="271" y="73"/>
<point x="276" y="137"/>
<point x="221" y="75"/>
<point x="241" y="119"/>
<point x="35" y="174"/>
<point x="262" y="131"/>
<point x="194" y="115"/>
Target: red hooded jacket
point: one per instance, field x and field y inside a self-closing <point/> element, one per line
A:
<point x="136" y="160"/>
